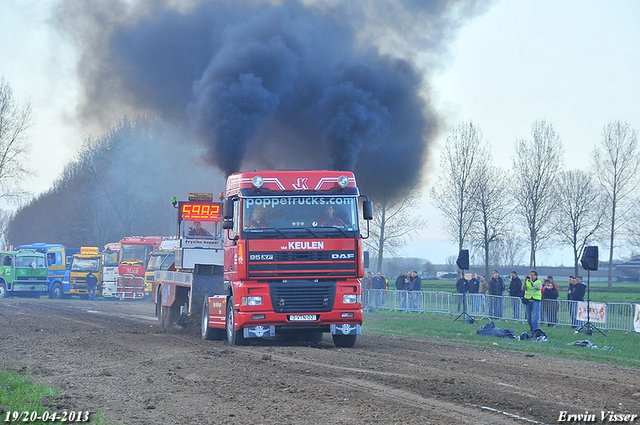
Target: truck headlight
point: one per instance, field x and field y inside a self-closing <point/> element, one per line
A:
<point x="251" y="300"/>
<point x="350" y="298"/>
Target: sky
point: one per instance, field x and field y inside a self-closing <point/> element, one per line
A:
<point x="572" y="63"/>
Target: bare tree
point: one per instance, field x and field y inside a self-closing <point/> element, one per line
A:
<point x="616" y="162"/>
<point x="394" y="220"/>
<point x="453" y="192"/>
<point x="5" y="219"/>
<point x="491" y="199"/>
<point x="15" y="121"/>
<point x="509" y="249"/>
<point x="537" y="163"/>
<point x="579" y="211"/>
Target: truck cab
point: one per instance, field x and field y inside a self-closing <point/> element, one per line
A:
<point x="110" y="269"/>
<point x="160" y="259"/>
<point x="293" y="255"/>
<point x="58" y="260"/>
<point x="88" y="260"/>
<point x="23" y="273"/>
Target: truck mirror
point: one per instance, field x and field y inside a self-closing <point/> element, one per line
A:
<point x="227" y="210"/>
<point x="367" y="210"/>
<point x="366" y="259"/>
<point x="227" y="224"/>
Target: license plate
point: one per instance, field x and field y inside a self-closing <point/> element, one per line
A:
<point x="302" y="317"/>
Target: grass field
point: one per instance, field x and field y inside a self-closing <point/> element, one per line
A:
<point x="613" y="347"/>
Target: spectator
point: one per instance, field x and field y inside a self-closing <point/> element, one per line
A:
<point x="516" y="293"/>
<point x="483" y="287"/>
<point x="462" y="287"/>
<point x="367" y="286"/>
<point x="496" y="289"/>
<point x="402" y="288"/>
<point x="379" y="286"/>
<point x="416" y="290"/>
<point x="474" y="287"/>
<point x="576" y="293"/>
<point x="550" y="303"/>
<point x="533" y="297"/>
<point x="92" y="282"/>
<point x="407" y="293"/>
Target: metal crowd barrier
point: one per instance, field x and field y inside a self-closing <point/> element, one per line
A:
<point x="494" y="307"/>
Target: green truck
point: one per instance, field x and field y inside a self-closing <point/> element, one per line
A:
<point x="23" y="273"/>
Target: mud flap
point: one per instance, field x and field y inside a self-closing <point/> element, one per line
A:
<point x="345" y="329"/>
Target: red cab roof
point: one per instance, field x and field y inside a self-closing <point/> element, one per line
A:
<point x="289" y="181"/>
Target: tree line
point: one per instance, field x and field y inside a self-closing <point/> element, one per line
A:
<point x="484" y="205"/>
<point x="119" y="184"/>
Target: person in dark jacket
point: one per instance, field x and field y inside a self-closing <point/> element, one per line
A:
<point x="516" y="293"/>
<point x="576" y="293"/>
<point x="496" y="289"/>
<point x="400" y="286"/>
<point x="474" y="288"/>
<point x="92" y="282"/>
<point x="462" y="287"/>
<point x="550" y="305"/>
<point x="416" y="290"/>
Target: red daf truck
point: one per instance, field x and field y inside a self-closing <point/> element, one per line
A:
<point x="287" y="262"/>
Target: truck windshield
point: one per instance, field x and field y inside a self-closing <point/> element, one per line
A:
<point x="85" y="265"/>
<point x="134" y="253"/>
<point x="156" y="260"/>
<point x="29" y="261"/>
<point x="336" y="215"/>
<point x="110" y="258"/>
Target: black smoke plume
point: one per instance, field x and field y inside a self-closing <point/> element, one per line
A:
<point x="291" y="84"/>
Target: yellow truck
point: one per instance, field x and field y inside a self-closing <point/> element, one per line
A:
<point x="88" y="260"/>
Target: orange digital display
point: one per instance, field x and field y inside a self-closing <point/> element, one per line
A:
<point x="202" y="212"/>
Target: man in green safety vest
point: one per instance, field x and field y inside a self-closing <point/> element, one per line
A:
<point x="533" y="297"/>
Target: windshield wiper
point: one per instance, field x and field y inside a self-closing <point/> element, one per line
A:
<point x="339" y="229"/>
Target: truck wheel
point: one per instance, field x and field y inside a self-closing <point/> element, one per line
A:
<point x="159" y="304"/>
<point x="346" y="341"/>
<point x="56" y="292"/>
<point x="164" y="317"/>
<point x="3" y="290"/>
<point x="209" y="333"/>
<point x="233" y="337"/>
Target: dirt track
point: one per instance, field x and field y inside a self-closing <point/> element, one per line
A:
<point x="114" y="357"/>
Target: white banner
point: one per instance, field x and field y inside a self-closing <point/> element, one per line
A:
<point x="636" y="318"/>
<point x="597" y="313"/>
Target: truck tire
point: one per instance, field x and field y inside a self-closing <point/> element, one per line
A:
<point x="56" y="292"/>
<point x="207" y="332"/>
<point x="233" y="337"/>
<point x="3" y="290"/>
<point x="344" y="341"/>
<point x="165" y="317"/>
<point x="159" y="303"/>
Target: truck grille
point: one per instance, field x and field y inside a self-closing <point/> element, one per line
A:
<point x="291" y="264"/>
<point x="302" y="296"/>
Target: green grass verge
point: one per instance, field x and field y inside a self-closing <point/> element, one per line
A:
<point x="20" y="396"/>
<point x="625" y="347"/>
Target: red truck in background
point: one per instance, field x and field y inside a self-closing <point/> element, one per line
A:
<point x="292" y="257"/>
<point x="132" y="258"/>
